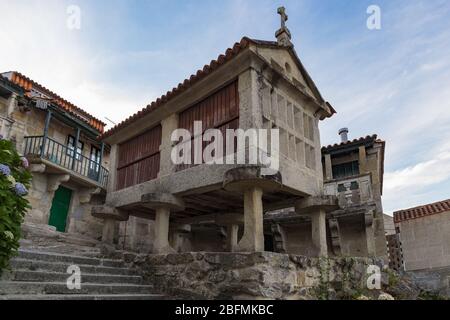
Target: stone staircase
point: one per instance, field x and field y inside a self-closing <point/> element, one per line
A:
<point x="39" y="275"/>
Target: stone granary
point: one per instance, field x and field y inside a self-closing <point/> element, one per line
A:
<point x="66" y="179"/>
<point x="215" y="207"/>
<point x="353" y="172"/>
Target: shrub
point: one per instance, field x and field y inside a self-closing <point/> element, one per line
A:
<point x="14" y="181"/>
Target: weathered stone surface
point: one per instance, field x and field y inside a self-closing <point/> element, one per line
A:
<point x="265" y="275"/>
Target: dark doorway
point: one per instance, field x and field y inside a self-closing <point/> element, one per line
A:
<point x="268" y="243"/>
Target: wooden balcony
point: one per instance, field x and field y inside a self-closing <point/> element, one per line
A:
<point x="63" y="158"/>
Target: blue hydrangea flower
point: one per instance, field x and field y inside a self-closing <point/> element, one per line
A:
<point x="1" y="136"/>
<point x="5" y="170"/>
<point x="20" y="189"/>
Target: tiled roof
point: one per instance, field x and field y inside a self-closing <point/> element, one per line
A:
<point x="27" y="84"/>
<point x="230" y="53"/>
<point x="349" y="142"/>
<point x="422" y="211"/>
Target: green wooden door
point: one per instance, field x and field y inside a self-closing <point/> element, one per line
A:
<point x="60" y="208"/>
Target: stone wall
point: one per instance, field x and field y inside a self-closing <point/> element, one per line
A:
<point x="426" y="242"/>
<point x="266" y="275"/>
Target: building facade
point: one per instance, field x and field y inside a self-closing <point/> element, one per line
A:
<point x="67" y="161"/>
<point x="353" y="171"/>
<point x="424" y="233"/>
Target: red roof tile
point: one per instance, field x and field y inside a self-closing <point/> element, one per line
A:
<point x="27" y="84"/>
<point x="422" y="211"/>
<point x="357" y="140"/>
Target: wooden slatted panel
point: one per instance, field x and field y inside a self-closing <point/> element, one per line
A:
<point x="220" y="110"/>
<point x="139" y="159"/>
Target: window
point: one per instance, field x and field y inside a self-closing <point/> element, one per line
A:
<point x="345" y="170"/>
<point x="354" y="185"/>
<point x="70" y="147"/>
<point x="94" y="163"/>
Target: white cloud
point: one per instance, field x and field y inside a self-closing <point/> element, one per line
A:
<point x="37" y="43"/>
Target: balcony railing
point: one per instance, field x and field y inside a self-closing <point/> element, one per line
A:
<point x="62" y="155"/>
<point x="351" y="190"/>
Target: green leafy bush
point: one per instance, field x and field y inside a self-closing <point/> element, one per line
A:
<point x="14" y="181"/>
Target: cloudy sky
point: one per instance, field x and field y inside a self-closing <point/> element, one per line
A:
<point x="394" y="82"/>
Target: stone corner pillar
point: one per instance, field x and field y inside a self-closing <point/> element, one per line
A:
<point x="162" y="204"/>
<point x="110" y="216"/>
<point x="328" y="167"/>
<point x="166" y="165"/>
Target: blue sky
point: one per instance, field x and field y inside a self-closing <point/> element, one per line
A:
<point x="394" y="82"/>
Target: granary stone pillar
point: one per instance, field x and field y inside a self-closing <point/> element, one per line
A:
<point x="168" y="125"/>
<point x="253" y="237"/>
<point x="317" y="207"/>
<point x="162" y="217"/>
<point x="108" y="233"/>
<point x="252" y="183"/>
<point x="232" y="237"/>
<point x="319" y="232"/>
<point x="110" y="216"/>
<point x="162" y="204"/>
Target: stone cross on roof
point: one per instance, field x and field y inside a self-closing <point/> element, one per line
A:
<point x="283" y="35"/>
<point x="283" y="15"/>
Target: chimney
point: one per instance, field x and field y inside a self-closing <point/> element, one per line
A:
<point x="344" y="134"/>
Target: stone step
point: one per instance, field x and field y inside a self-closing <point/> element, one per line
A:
<point x="47" y="288"/>
<point x="45" y="276"/>
<point x="35" y="265"/>
<point x="56" y="257"/>
<point x="83" y="297"/>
